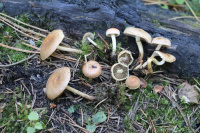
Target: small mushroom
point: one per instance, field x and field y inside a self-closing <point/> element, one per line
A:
<point x="91" y="69"/>
<point x="133" y="82"/>
<point x="138" y="34"/>
<point x="58" y="82"/>
<point x="143" y="83"/>
<point x="165" y="58"/>
<point x="157" y="89"/>
<point x="125" y="57"/>
<point x="159" y="42"/>
<point x="88" y="38"/>
<point x="51" y="43"/>
<point x="119" y="72"/>
<point x="113" y="33"/>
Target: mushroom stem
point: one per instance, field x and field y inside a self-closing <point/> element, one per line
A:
<point x="140" y="65"/>
<point x="114" y="44"/>
<point x="150" y="70"/>
<point x="90" y="80"/>
<point x="152" y="56"/>
<point x="80" y="93"/>
<point x="158" y="47"/>
<point x="69" y="49"/>
<point x="92" y="42"/>
<point x="140" y="48"/>
<point x="152" y="59"/>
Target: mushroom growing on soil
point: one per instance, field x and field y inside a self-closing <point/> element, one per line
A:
<point x="157" y="89"/>
<point x="138" y="34"/>
<point x="113" y="33"/>
<point x="51" y="43"/>
<point x="133" y="82"/>
<point x="58" y="82"/>
<point x="88" y="38"/>
<point x="119" y="72"/>
<point x="164" y="56"/>
<point x="125" y="57"/>
<point x="91" y="69"/>
<point x="159" y="42"/>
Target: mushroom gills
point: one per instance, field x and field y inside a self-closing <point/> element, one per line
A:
<point x="119" y="72"/>
<point x="125" y="57"/>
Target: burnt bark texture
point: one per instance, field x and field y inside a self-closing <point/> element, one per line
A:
<point x="76" y="17"/>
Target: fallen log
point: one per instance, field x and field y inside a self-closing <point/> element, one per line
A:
<point x="78" y="17"/>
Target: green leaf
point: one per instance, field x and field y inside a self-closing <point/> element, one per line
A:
<point x="38" y="125"/>
<point x="71" y="109"/>
<point x="30" y="130"/>
<point x="164" y="6"/>
<point x="180" y="2"/>
<point x="33" y="116"/>
<point x="91" y="127"/>
<point x="99" y="117"/>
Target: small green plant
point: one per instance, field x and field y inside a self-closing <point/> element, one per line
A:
<point x="86" y="49"/>
<point x="34" y="123"/>
<point x="99" y="117"/>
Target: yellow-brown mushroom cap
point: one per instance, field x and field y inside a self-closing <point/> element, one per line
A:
<point x="133" y="32"/>
<point x="91" y="69"/>
<point x="161" y="41"/>
<point x="165" y="56"/>
<point x="57" y="82"/>
<point x="112" y="31"/>
<point x="50" y="43"/>
<point x="133" y="82"/>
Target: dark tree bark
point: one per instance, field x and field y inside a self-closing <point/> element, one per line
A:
<point x="77" y="17"/>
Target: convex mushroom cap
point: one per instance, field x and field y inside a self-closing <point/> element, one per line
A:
<point x="161" y="42"/>
<point x="137" y="32"/>
<point x="133" y="82"/>
<point x="50" y="43"/>
<point x="119" y="72"/>
<point x="112" y="31"/>
<point x="85" y="39"/>
<point x="91" y="69"/>
<point x="57" y="82"/>
<point x="125" y="57"/>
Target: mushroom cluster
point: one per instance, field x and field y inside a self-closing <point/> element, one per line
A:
<point x="159" y="42"/>
<point x="59" y="80"/>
